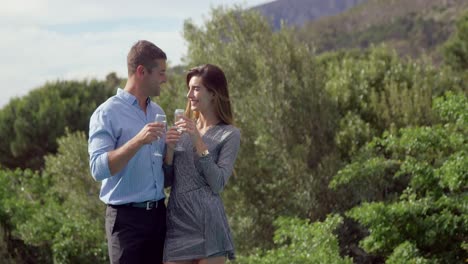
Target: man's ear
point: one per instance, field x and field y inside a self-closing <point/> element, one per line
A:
<point x="140" y="70"/>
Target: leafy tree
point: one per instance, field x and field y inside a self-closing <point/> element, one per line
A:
<point x="56" y="214"/>
<point x="72" y="221"/>
<point x="29" y="126"/>
<point x="426" y="218"/>
<point x="456" y="48"/>
<point x="375" y="90"/>
<point x="20" y="193"/>
<point x="299" y="241"/>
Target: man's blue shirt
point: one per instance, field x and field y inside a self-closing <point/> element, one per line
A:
<point x="113" y="124"/>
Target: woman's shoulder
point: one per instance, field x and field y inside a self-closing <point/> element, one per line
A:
<point x="227" y="128"/>
<point x="229" y="131"/>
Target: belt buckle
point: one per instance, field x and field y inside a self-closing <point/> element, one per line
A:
<point x="148" y="203"/>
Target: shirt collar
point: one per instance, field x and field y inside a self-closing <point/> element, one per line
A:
<point x="129" y="98"/>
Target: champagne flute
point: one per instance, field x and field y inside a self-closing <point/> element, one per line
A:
<point x="161" y="119"/>
<point x="178" y="114"/>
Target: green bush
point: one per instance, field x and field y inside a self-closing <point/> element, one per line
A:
<point x="60" y="211"/>
<point x="298" y="241"/>
<point x="30" y="126"/>
<point x="427" y="216"/>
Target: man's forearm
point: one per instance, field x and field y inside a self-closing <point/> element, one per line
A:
<point x="119" y="158"/>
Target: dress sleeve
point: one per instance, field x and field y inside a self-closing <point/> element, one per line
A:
<point x="218" y="173"/>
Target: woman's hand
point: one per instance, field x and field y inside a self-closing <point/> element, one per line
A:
<point x="189" y="126"/>
<point x="172" y="136"/>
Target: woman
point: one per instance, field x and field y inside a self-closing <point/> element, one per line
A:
<point x="197" y="227"/>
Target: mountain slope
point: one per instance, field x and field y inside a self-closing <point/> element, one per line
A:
<point x="299" y="12"/>
<point x="412" y="27"/>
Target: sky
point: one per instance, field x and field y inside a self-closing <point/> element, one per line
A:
<point x="50" y="40"/>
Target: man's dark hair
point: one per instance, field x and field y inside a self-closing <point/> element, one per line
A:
<point x="144" y="53"/>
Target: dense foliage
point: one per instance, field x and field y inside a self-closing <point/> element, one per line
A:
<point x="346" y="156"/>
<point x="428" y="214"/>
<point x="304" y="116"/>
<point x="299" y="241"/>
<point x="456" y="49"/>
<point x="56" y="212"/>
<point x="30" y="126"/>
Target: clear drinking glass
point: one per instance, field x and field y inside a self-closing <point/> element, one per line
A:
<point x="178" y="114"/>
<point x="159" y="118"/>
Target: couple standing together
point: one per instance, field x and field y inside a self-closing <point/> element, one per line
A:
<point x="123" y="138"/>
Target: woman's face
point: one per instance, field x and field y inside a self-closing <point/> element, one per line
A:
<point x="200" y="98"/>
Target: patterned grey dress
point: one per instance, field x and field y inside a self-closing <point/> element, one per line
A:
<point x="197" y="226"/>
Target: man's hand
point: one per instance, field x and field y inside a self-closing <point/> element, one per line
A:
<point x="119" y="158"/>
<point x="150" y="132"/>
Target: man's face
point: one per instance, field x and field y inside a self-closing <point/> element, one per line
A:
<point x="156" y="77"/>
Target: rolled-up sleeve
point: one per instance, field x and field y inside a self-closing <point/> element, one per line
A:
<point x="218" y="173"/>
<point x="101" y="141"/>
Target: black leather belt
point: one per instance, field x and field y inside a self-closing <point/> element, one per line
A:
<point x="148" y="205"/>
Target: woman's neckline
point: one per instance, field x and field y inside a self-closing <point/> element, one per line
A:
<point x="208" y="128"/>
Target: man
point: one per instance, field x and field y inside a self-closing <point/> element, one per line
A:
<point x="123" y="140"/>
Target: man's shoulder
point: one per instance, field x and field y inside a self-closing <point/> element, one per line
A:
<point x="110" y="104"/>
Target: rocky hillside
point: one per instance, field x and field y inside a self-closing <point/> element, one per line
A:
<point x="299" y="12"/>
<point x="412" y="27"/>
